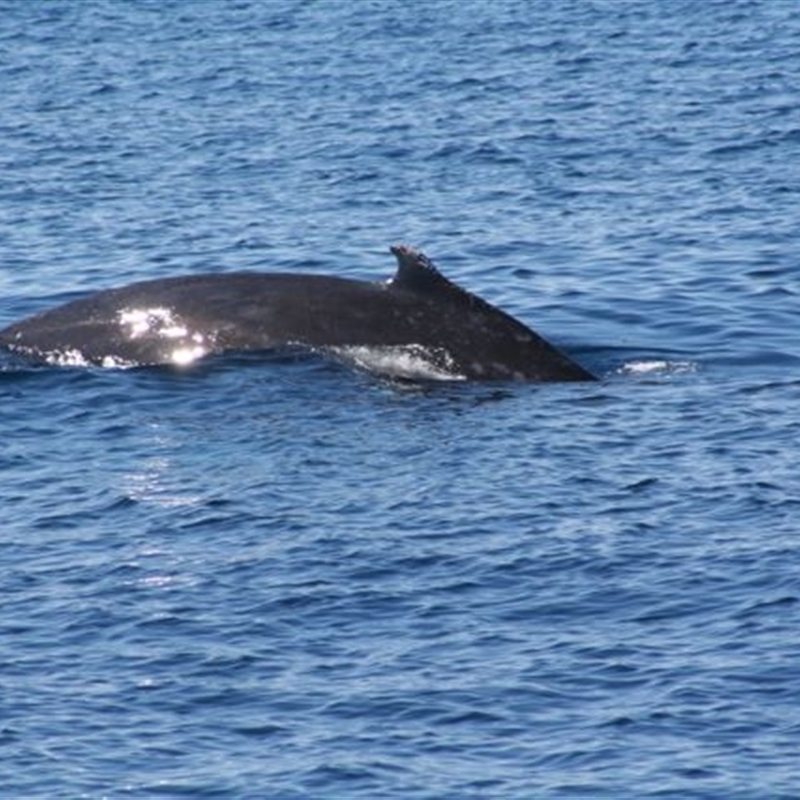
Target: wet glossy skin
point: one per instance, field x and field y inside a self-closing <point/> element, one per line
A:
<point x="177" y="320"/>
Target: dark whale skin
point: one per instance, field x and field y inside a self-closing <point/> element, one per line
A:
<point x="176" y="320"/>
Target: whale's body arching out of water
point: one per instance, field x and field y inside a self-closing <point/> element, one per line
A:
<point x="418" y="316"/>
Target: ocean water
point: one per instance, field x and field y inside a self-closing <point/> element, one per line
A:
<point x="279" y="577"/>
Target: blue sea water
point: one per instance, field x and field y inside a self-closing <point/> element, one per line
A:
<point x="282" y="578"/>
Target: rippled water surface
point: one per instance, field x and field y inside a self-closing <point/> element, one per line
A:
<point x="286" y="578"/>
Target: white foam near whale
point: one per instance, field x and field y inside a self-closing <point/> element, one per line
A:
<point x="408" y="362"/>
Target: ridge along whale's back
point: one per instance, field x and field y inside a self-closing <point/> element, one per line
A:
<point x="178" y="320"/>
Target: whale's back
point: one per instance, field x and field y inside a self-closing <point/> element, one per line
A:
<point x="178" y="320"/>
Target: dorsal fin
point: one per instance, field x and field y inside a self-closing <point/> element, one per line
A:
<point x="415" y="271"/>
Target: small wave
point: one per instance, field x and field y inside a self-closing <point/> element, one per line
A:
<point x="648" y="367"/>
<point x="75" y="358"/>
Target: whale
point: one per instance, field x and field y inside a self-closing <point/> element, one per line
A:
<point x="418" y="323"/>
